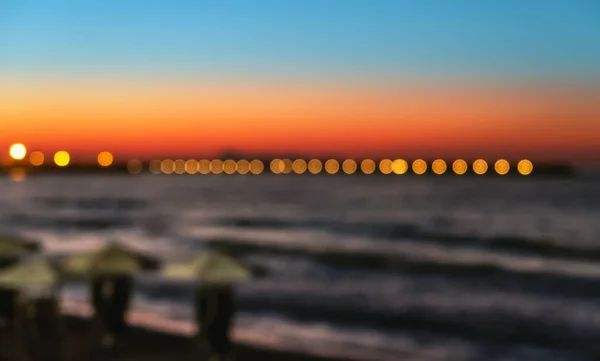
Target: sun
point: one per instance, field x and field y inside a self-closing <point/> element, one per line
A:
<point x="17" y="151"/>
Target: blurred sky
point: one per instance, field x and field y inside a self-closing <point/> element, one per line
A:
<point x="336" y="77"/>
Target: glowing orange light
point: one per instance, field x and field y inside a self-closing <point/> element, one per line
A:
<point x="36" y="158"/>
<point x="216" y="166"/>
<point x="17" y="151"/>
<point x="367" y="166"/>
<point x="62" y="158"/>
<point x="502" y="166"/>
<point x="134" y="166"/>
<point x="399" y="166"/>
<point x="525" y="167"/>
<point x="243" y="166"/>
<point x="439" y="167"/>
<point x="315" y="166"/>
<point x="385" y="166"/>
<point x="179" y="166"/>
<point x="155" y="166"/>
<point x="299" y="166"/>
<point x="286" y="166"/>
<point x="276" y="166"/>
<point x="459" y="166"/>
<point x="105" y="159"/>
<point x="167" y="166"/>
<point x="257" y="167"/>
<point x="204" y="166"/>
<point x="480" y="166"/>
<point x="332" y="166"/>
<point x="419" y="166"/>
<point x="229" y="166"/>
<point x="349" y="166"/>
<point x="191" y="166"/>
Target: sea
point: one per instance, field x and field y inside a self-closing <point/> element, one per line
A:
<point x="377" y="268"/>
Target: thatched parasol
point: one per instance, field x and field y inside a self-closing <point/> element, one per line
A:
<point x="214" y="304"/>
<point x="211" y="268"/>
<point x="110" y="271"/>
<point x="40" y="323"/>
<point x="12" y="247"/>
<point x="114" y="258"/>
<point x="38" y="273"/>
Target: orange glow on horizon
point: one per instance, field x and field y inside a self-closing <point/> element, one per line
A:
<point x="148" y="121"/>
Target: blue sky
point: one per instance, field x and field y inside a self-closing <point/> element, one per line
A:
<point x="351" y="38"/>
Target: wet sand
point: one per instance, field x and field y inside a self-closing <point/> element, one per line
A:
<point x="82" y="343"/>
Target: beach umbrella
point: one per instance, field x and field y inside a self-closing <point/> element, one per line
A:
<point x="114" y="258"/>
<point x="12" y="247"/>
<point x="9" y="241"/>
<point x="210" y="267"/>
<point x="33" y="274"/>
<point x="110" y="271"/>
<point x="40" y="325"/>
<point x="214" y="300"/>
<point x="38" y="273"/>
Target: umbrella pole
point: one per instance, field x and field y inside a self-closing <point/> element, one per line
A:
<point x="202" y="300"/>
<point x="227" y="305"/>
<point x="97" y="286"/>
<point x="111" y="297"/>
<point x="20" y="326"/>
<point x="8" y="305"/>
<point x="215" y="308"/>
<point x="123" y="289"/>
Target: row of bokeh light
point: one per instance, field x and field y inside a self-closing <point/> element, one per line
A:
<point x="282" y="166"/>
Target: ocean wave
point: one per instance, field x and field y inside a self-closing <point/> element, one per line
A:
<point x="92" y="223"/>
<point x="534" y="275"/>
<point x="365" y="343"/>
<point x="517" y="321"/>
<point x="545" y="247"/>
<point x="498" y="327"/>
<point x="412" y="334"/>
<point x="103" y="203"/>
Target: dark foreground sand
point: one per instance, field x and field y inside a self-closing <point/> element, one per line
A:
<point x="81" y="343"/>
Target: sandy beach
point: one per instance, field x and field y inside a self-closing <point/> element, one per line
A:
<point x="81" y="343"/>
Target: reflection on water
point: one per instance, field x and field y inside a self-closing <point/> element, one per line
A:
<point x="17" y="174"/>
